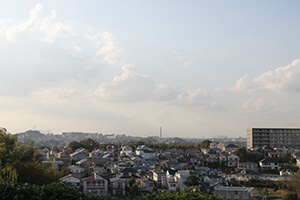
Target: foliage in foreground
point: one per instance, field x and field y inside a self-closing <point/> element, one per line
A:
<point x="68" y="191"/>
<point x="53" y="191"/>
<point x="190" y="194"/>
<point x="21" y="163"/>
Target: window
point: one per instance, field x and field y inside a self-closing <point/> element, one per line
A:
<point x="236" y="193"/>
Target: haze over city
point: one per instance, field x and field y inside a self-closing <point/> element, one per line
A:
<point x="196" y="68"/>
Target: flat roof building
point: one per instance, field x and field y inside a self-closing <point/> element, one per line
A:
<point x="273" y="137"/>
<point x="229" y="192"/>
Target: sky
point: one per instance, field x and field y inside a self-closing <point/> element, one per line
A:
<point x="198" y="69"/>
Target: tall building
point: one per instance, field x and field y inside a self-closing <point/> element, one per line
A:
<point x="273" y="137"/>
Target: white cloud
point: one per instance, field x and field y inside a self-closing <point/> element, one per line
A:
<point x="259" y="105"/>
<point x="131" y="86"/>
<point x="182" y="59"/>
<point x="108" y="50"/>
<point x="77" y="48"/>
<point x="54" y="93"/>
<point x="197" y="98"/>
<point x="242" y="84"/>
<point x="192" y="97"/>
<point x="36" y="27"/>
<point x="283" y="79"/>
<point x="53" y="14"/>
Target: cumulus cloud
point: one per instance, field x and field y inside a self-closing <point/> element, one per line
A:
<point x="284" y="79"/>
<point x="29" y="60"/>
<point x="36" y="26"/>
<point x="182" y="59"/>
<point x="194" y="97"/>
<point x="132" y="86"/>
<point x="107" y="48"/>
<point x="259" y="105"/>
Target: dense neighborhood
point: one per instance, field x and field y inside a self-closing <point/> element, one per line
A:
<point x="121" y="169"/>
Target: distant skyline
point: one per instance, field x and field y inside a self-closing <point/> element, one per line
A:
<point x="196" y="68"/>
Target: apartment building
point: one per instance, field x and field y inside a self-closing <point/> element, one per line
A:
<point x="273" y="137"/>
<point x="229" y="192"/>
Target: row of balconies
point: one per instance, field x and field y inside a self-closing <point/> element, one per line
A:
<point x="95" y="186"/>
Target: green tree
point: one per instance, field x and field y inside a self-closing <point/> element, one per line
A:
<point x="74" y="145"/>
<point x="205" y="144"/>
<point x="192" y="180"/>
<point x="89" y="144"/>
<point x="190" y="194"/>
<point x="293" y="184"/>
<point x="243" y="154"/>
<point x="21" y="163"/>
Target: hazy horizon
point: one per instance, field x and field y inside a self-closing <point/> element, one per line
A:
<point x="196" y="68"/>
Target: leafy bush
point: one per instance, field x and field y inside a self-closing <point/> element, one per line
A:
<point x="54" y="191"/>
<point x="189" y="194"/>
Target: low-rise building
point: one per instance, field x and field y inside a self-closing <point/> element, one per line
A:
<point x="117" y="186"/>
<point x="232" y="193"/>
<point x="269" y="163"/>
<point x="248" y="166"/>
<point x="95" y="184"/>
<point x="232" y="160"/>
<point x="75" y="180"/>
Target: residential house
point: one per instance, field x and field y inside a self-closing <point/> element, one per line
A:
<point x="192" y="153"/>
<point x="247" y="174"/>
<point x="232" y="160"/>
<point x="79" y="155"/>
<point x="231" y="148"/>
<point x="182" y="162"/>
<point x="118" y="166"/>
<point x="145" y="153"/>
<point x="223" y="157"/>
<point x="71" y="178"/>
<point x="159" y="177"/>
<point x="286" y="172"/>
<point x="127" y="160"/>
<point x="180" y="177"/>
<point x="229" y="176"/>
<point x="145" y="185"/>
<point x="126" y="148"/>
<point x="172" y="186"/>
<point x="84" y="162"/>
<point x="128" y="173"/>
<point x="170" y="163"/>
<point x="109" y="156"/>
<point x="274" y="155"/>
<point x="76" y="170"/>
<point x="101" y="162"/>
<point x="117" y="186"/>
<point x="269" y="163"/>
<point x="96" y="153"/>
<point x="95" y="184"/>
<point x="247" y="165"/>
<point x="212" y="179"/>
<point x="212" y="158"/>
<point x="138" y="161"/>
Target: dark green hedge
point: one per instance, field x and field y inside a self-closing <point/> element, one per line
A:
<point x="65" y="191"/>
